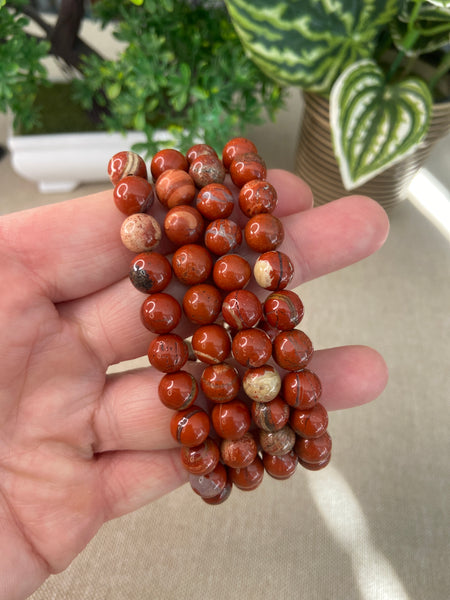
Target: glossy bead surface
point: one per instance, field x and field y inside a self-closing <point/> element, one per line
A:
<point x="314" y="450"/>
<point x="302" y="389"/>
<point x="273" y="270"/>
<point x="241" y="309"/>
<point x="315" y="466"/>
<point x="201" y="459"/>
<point x="222" y="236"/>
<point x="140" y="233"/>
<point x="190" y="426"/>
<point x="270" y="416"/>
<point x="206" y="169"/>
<point x="263" y="232"/>
<point x="277" y="443"/>
<point x="220" y="383"/>
<point x="262" y="384"/>
<point x="192" y="264"/>
<point x="292" y="350"/>
<point x="257" y="197"/>
<point x="215" y="201"/>
<point x="251" y="347"/>
<point x="175" y="187"/>
<point x="202" y="303"/>
<point x="210" y="485"/>
<point x="248" y="478"/>
<point x="178" y="391"/>
<point x="231" y="272"/>
<point x="211" y="344"/>
<point x="183" y="225"/>
<point x="168" y="353"/>
<point x="283" y="309"/>
<point x="126" y="163"/>
<point x="166" y="159"/>
<point x="240" y="453"/>
<point x="160" y="313"/>
<point x="310" y="423"/>
<point x="271" y="331"/>
<point x="198" y="150"/>
<point x="133" y="194"/>
<point x="246" y="167"/>
<point x="236" y="146"/>
<point x="150" y="272"/>
<point x="222" y="496"/>
<point x="280" y="467"/>
<point x="231" y="419"/>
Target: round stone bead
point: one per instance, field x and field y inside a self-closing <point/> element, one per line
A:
<point x="310" y="423"/>
<point x="314" y="450"/>
<point x="270" y="416"/>
<point x="271" y="331"/>
<point x="160" y="313"/>
<point x="220" y="383"/>
<point x="211" y="485"/>
<point x="192" y="264"/>
<point x="231" y="419"/>
<point x="201" y="459"/>
<point x="246" y="167"/>
<point x="198" y="150"/>
<point x="277" y="443"/>
<point x="178" y="391"/>
<point x="211" y="344"/>
<point x="241" y="309"/>
<point x="202" y="303"/>
<point x="273" y="270"/>
<point x="280" y="467"/>
<point x="251" y="347"/>
<point x="301" y="389"/>
<point x="283" y="310"/>
<point x="257" y="197"/>
<point x="175" y="187"/>
<point x="140" y="233"/>
<point x="262" y="384"/>
<point x="263" y="232"/>
<point x="168" y="353"/>
<point x="190" y="426"/>
<point x="240" y="453"/>
<point x="231" y="272"/>
<point x="133" y="194"/>
<point x="184" y="225"/>
<point x="222" y="496"/>
<point x="315" y="466"/>
<point x="206" y="169"/>
<point x="166" y="159"/>
<point x="150" y="272"/>
<point x="236" y="146"/>
<point x="222" y="236"/>
<point x="126" y="163"/>
<point x="292" y="350"/>
<point x="248" y="478"/>
<point x="215" y="201"/>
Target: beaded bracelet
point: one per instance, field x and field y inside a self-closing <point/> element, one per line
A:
<point x="269" y="419"/>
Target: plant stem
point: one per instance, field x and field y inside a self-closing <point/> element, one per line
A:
<point x="441" y="70"/>
<point x="410" y="38"/>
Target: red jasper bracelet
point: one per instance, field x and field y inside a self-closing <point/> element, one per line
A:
<point x="261" y="403"/>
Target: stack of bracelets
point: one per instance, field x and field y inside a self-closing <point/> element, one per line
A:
<point x="261" y="410"/>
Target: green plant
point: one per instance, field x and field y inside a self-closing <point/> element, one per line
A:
<point x="362" y="56"/>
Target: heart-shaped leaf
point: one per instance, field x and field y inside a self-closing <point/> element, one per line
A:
<point x="375" y="124"/>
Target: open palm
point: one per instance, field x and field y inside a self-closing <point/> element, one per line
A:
<point x="78" y="446"/>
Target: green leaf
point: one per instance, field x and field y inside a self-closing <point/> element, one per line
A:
<point x="374" y="125"/>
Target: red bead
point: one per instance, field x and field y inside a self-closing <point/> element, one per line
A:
<point x="263" y="232"/>
<point x="150" y="272"/>
<point x="241" y="309"/>
<point x="215" y="201"/>
<point x="133" y="194"/>
<point x="231" y="419"/>
<point x="175" y="187"/>
<point x="251" y="347"/>
<point x="315" y="466"/>
<point x="280" y="467"/>
<point x="211" y="485"/>
<point x="302" y="389"/>
<point x="166" y="159"/>
<point x="126" y="163"/>
<point x="292" y="350"/>
<point x="202" y="303"/>
<point x="222" y="496"/>
<point x="168" y="353"/>
<point x="201" y="459"/>
<point x="192" y="264"/>
<point x="240" y="453"/>
<point x="310" y="423"/>
<point x="273" y="270"/>
<point x="248" y="478"/>
<point x="236" y="146"/>
<point x="222" y="236"/>
<point x="211" y="344"/>
<point x="283" y="309"/>
<point x="198" y="150"/>
<point x="183" y="225"/>
<point x="178" y="390"/>
<point x="262" y="384"/>
<point x="270" y="416"/>
<point x="140" y="233"/>
<point x="160" y="313"/>
<point x="231" y="272"/>
<point x="206" y="169"/>
<point x="190" y="426"/>
<point x="271" y="331"/>
<point x="220" y="383"/>
<point x="246" y="167"/>
<point x="314" y="450"/>
<point x="257" y="197"/>
<point x="277" y="443"/>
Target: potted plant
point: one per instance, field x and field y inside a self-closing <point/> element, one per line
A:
<point x="181" y="75"/>
<point x="375" y="81"/>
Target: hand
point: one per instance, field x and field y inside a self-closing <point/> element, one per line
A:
<point x="79" y="447"/>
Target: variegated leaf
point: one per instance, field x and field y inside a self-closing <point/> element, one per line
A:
<point x="374" y="125"/>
